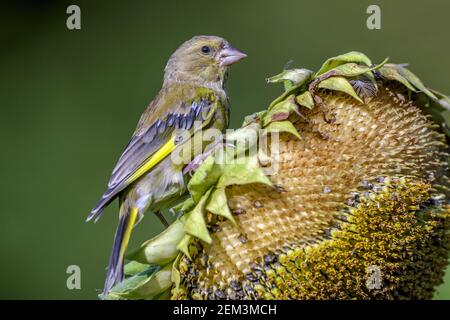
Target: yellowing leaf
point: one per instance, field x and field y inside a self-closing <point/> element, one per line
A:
<point x="305" y="100"/>
<point x="280" y="111"/>
<point x="339" y="84"/>
<point x="255" y="117"/>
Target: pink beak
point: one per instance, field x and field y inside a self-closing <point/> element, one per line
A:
<point x="230" y="55"/>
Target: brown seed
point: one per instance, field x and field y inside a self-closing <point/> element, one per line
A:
<point x="239" y="211"/>
<point x="243" y="238"/>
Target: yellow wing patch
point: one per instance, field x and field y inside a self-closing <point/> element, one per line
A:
<point x="156" y="158"/>
<point x="163" y="152"/>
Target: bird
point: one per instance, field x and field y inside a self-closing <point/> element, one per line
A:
<point x="145" y="178"/>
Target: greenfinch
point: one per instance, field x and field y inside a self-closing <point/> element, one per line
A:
<point x="145" y="177"/>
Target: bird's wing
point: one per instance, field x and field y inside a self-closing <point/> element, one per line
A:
<point x="175" y="107"/>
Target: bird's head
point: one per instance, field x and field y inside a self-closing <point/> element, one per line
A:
<point x="203" y="60"/>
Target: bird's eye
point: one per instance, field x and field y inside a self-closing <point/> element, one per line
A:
<point x="206" y="49"/>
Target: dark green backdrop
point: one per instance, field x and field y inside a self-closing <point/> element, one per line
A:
<point x="70" y="100"/>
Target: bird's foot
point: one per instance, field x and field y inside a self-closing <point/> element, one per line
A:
<point x="176" y="214"/>
<point x="198" y="160"/>
<point x="195" y="163"/>
<point x="162" y="219"/>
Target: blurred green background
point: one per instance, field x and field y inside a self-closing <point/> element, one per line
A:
<point x="70" y="100"/>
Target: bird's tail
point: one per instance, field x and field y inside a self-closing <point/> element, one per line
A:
<point x="127" y="220"/>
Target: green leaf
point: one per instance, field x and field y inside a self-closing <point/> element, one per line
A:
<point x="194" y="221"/>
<point x="305" y="100"/>
<point x="353" y="56"/>
<point x="218" y="204"/>
<point x="204" y="177"/>
<point x="162" y="248"/>
<point x="183" y="245"/>
<point x="133" y="267"/>
<point x="292" y="77"/>
<point x="372" y="78"/>
<point x="446" y="115"/>
<point x="390" y="71"/>
<point x="131" y="283"/>
<point x="295" y="89"/>
<point x="164" y="295"/>
<point x="280" y="111"/>
<point x="339" y="84"/>
<point x="440" y="110"/>
<point x="441" y="96"/>
<point x="184" y="206"/>
<point x="246" y="170"/>
<point x="283" y="126"/>
<point x="176" y="277"/>
<point x="144" y="287"/>
<point x="353" y="69"/>
<point x="415" y="81"/>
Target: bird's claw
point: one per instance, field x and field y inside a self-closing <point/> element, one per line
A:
<point x="192" y="166"/>
<point x="176" y="214"/>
